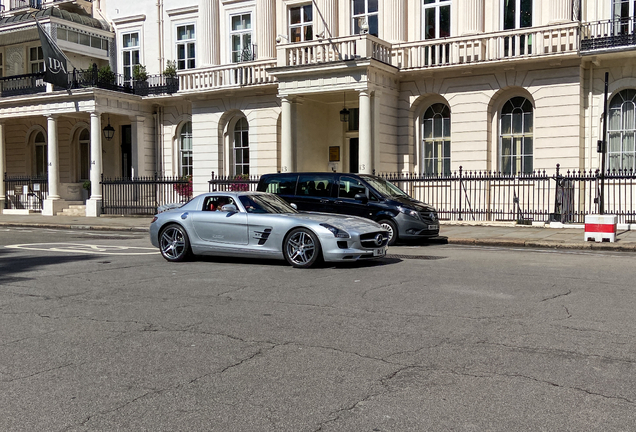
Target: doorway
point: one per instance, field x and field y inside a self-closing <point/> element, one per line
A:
<point x="126" y="151"/>
<point x="353" y="155"/>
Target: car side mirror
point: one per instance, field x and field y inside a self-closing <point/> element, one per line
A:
<point x="294" y="206"/>
<point x="361" y="197"/>
<point x="229" y="208"/>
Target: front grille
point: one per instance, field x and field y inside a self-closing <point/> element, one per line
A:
<point x="368" y="241"/>
<point x="428" y="216"/>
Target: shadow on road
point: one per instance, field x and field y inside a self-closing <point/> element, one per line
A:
<point x="13" y="267"/>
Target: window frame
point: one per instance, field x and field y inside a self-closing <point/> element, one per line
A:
<point x="366" y="15"/>
<point x="242" y="133"/>
<point x="40" y="171"/>
<point x="188" y="62"/>
<point x="302" y="24"/>
<point x="84" y="157"/>
<point x="127" y="70"/>
<point x="437" y="6"/>
<point x="518" y="141"/>
<point x="185" y="154"/>
<point x="39" y="61"/>
<point x="440" y="159"/>
<point x="241" y="33"/>
<point x="517" y="17"/>
<point x="622" y="132"/>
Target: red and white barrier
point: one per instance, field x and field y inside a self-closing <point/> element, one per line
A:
<point x="600" y="228"/>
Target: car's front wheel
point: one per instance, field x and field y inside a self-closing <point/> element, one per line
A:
<point x="301" y="248"/>
<point x="174" y="243"/>
<point x="390" y="226"/>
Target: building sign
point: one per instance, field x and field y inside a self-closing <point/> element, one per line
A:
<point x="334" y="154"/>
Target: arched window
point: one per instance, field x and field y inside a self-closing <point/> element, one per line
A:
<point x="85" y="155"/>
<point x="241" y="148"/>
<point x="621" y="130"/>
<point x="436" y="140"/>
<point x="41" y="156"/>
<point x="515" y="139"/>
<point x="185" y="150"/>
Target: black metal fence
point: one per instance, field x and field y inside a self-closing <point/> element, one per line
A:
<point x="25" y="193"/>
<point x="488" y="196"/>
<point x="608" y="34"/>
<point x="233" y="183"/>
<point x="142" y="195"/>
<point x="17" y="85"/>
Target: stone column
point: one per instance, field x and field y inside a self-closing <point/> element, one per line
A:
<point x="2" y="167"/>
<point x="138" y="151"/>
<point x="473" y="11"/>
<point x="93" y="205"/>
<point x="365" y="148"/>
<point x="52" y="204"/>
<point x="395" y="24"/>
<point x="287" y="153"/>
<point x="209" y="41"/>
<point x="266" y="29"/>
<point x="326" y="18"/>
<point x="560" y="11"/>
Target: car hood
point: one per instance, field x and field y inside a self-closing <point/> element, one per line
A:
<point x="339" y="221"/>
<point x="412" y="204"/>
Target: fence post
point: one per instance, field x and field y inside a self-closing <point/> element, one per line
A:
<point x="460" y="194"/>
<point x="557" y="195"/>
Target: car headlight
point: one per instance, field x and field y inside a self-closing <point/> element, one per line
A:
<point x="410" y="212"/>
<point x="337" y="232"/>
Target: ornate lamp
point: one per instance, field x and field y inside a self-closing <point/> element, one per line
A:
<point x="109" y="131"/>
<point x="344" y="112"/>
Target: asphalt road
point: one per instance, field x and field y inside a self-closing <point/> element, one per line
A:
<point x="99" y="333"/>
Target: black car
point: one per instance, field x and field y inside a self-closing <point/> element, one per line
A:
<point x="363" y="195"/>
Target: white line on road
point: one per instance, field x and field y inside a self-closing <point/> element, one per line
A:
<point x="85" y="248"/>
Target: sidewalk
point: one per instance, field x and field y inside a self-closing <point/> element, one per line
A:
<point x="488" y="234"/>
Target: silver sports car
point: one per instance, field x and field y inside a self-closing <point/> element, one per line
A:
<point x="262" y="225"/>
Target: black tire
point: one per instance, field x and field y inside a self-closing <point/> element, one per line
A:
<point x="390" y="226"/>
<point x="174" y="243"/>
<point x="302" y="248"/>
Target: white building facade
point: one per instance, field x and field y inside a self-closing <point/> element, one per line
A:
<point x="429" y="86"/>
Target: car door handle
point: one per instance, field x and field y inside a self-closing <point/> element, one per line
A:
<point x="337" y="202"/>
<point x="324" y="201"/>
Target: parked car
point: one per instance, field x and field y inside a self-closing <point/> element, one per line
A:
<point x="262" y="225"/>
<point x="362" y="195"/>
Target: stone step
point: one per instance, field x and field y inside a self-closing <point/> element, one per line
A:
<point x="73" y="210"/>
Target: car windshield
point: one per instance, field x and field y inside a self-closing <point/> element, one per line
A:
<point x="265" y="204"/>
<point x="385" y="187"/>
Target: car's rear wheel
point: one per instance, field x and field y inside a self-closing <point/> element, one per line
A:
<point x="390" y="226"/>
<point x="174" y="243"/>
<point x="302" y="248"/>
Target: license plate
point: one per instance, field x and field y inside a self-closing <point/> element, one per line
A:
<point x="433" y="227"/>
<point x="379" y="252"/>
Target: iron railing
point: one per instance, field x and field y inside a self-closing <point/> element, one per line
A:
<point x="25" y="193"/>
<point x="539" y="196"/>
<point x="18" y="85"/>
<point x="603" y="35"/>
<point x="232" y="183"/>
<point x="142" y="195"/>
<point x="25" y="4"/>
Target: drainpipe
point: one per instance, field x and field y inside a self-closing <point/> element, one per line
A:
<point x="160" y="33"/>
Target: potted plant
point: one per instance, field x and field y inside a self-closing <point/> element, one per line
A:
<point x="140" y="77"/>
<point x="86" y="190"/>
<point x="105" y="76"/>
<point x="170" y="74"/>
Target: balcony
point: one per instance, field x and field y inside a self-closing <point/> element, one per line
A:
<point x="21" y="5"/>
<point x="28" y="84"/>
<point x="507" y="45"/>
<point x="610" y="35"/>
<point x="235" y="75"/>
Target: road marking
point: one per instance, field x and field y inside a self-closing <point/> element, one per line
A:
<point x="85" y="248"/>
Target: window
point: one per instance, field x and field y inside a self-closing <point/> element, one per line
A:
<point x="1" y="66"/>
<point x="436" y="19"/>
<point x="186" y="47"/>
<point x="623" y="11"/>
<point x="85" y="155"/>
<point x="36" y="59"/>
<point x="350" y="187"/>
<point x="515" y="139"/>
<point x="241" y="150"/>
<point x="130" y="53"/>
<point x="300" y="24"/>
<point x="436" y="140"/>
<point x="185" y="150"/>
<point x="241" y="37"/>
<point x="517" y="14"/>
<point x="315" y="185"/>
<point x="621" y="130"/>
<point x="41" y="156"/>
<point x="365" y="11"/>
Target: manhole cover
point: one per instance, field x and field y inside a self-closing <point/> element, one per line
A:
<point x="419" y="257"/>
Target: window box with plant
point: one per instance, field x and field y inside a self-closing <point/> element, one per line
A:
<point x="170" y="75"/>
<point x="140" y="80"/>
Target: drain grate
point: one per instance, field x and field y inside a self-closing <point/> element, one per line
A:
<point x="419" y="257"/>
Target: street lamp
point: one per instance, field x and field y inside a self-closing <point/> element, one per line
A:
<point x="109" y="131"/>
<point x="344" y="112"/>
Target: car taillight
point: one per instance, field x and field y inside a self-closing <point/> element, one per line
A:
<point x="154" y="219"/>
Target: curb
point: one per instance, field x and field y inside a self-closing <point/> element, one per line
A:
<point x="544" y="244"/>
<point x="74" y="227"/>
